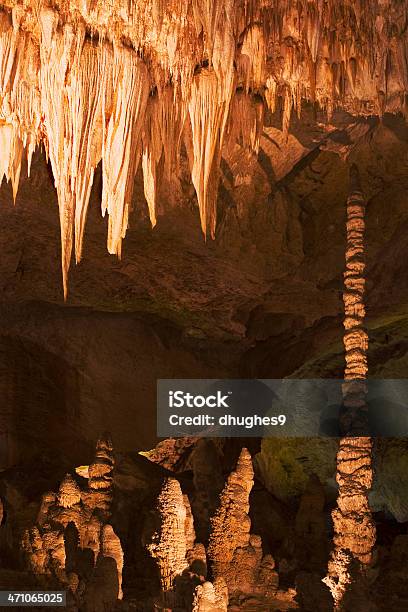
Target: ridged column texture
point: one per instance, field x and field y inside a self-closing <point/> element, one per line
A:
<point x="354" y="528"/>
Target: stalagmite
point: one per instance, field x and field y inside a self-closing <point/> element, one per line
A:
<point x="354" y="528"/>
<point x="170" y="539"/>
<point x="232" y="550"/>
<point x="235" y="554"/>
<point x="211" y="597"/>
<point x="69" y="493"/>
<point x="169" y="546"/>
<point x="72" y="527"/>
<point x="99" y="494"/>
<point x="111" y="547"/>
<point x="231" y="524"/>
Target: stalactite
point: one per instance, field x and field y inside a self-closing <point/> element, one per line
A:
<point x="59" y="50"/>
<point x="270" y="93"/>
<point x="66" y="81"/>
<point x="209" y="106"/>
<point x="152" y="147"/>
<point x="313" y="30"/>
<point x="206" y="116"/>
<point x="11" y="146"/>
<point x="85" y="102"/>
<point x="246" y="122"/>
<point x="7" y="52"/>
<point x="253" y="52"/>
<point x="173" y="111"/>
<point x="208" y="13"/>
<point x="121" y="146"/>
<point x="287" y="111"/>
<point x="26" y="98"/>
<point x="354" y="528"/>
<point x="71" y="87"/>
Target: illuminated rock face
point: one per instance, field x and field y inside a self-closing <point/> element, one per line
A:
<point x="169" y="545"/>
<point x="235" y="554"/>
<point x="73" y="538"/>
<point x="129" y="82"/>
<point x="209" y="597"/>
<point x="181" y="562"/>
<point x="354" y="528"/>
<point x="230" y="527"/>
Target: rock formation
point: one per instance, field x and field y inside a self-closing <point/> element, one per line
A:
<point x="211" y="597"/>
<point x="354" y="528"/>
<point x="170" y="453"/>
<point x="235" y="554"/>
<point x="100" y="476"/>
<point x="169" y="545"/>
<point x="73" y="543"/>
<point x="111" y="548"/>
<point x="153" y="97"/>
<point x="180" y="560"/>
<point x="175" y="68"/>
<point x="231" y="525"/>
<point x="237" y="565"/>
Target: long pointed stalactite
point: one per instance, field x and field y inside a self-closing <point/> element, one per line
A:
<point x="122" y="143"/>
<point x="354" y="528"/>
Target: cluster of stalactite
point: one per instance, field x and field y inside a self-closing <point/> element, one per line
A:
<point x="354" y="527"/>
<point x="129" y="82"/>
<point x="234" y="556"/>
<point x="73" y="541"/>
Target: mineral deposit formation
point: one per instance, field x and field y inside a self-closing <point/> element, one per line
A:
<point x="136" y="82"/>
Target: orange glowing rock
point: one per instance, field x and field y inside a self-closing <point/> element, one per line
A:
<point x="354" y="528"/>
<point x="77" y="77"/>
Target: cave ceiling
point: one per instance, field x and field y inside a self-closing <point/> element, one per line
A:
<point x="135" y="85"/>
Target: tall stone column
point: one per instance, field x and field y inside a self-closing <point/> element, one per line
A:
<point x="354" y="528"/>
